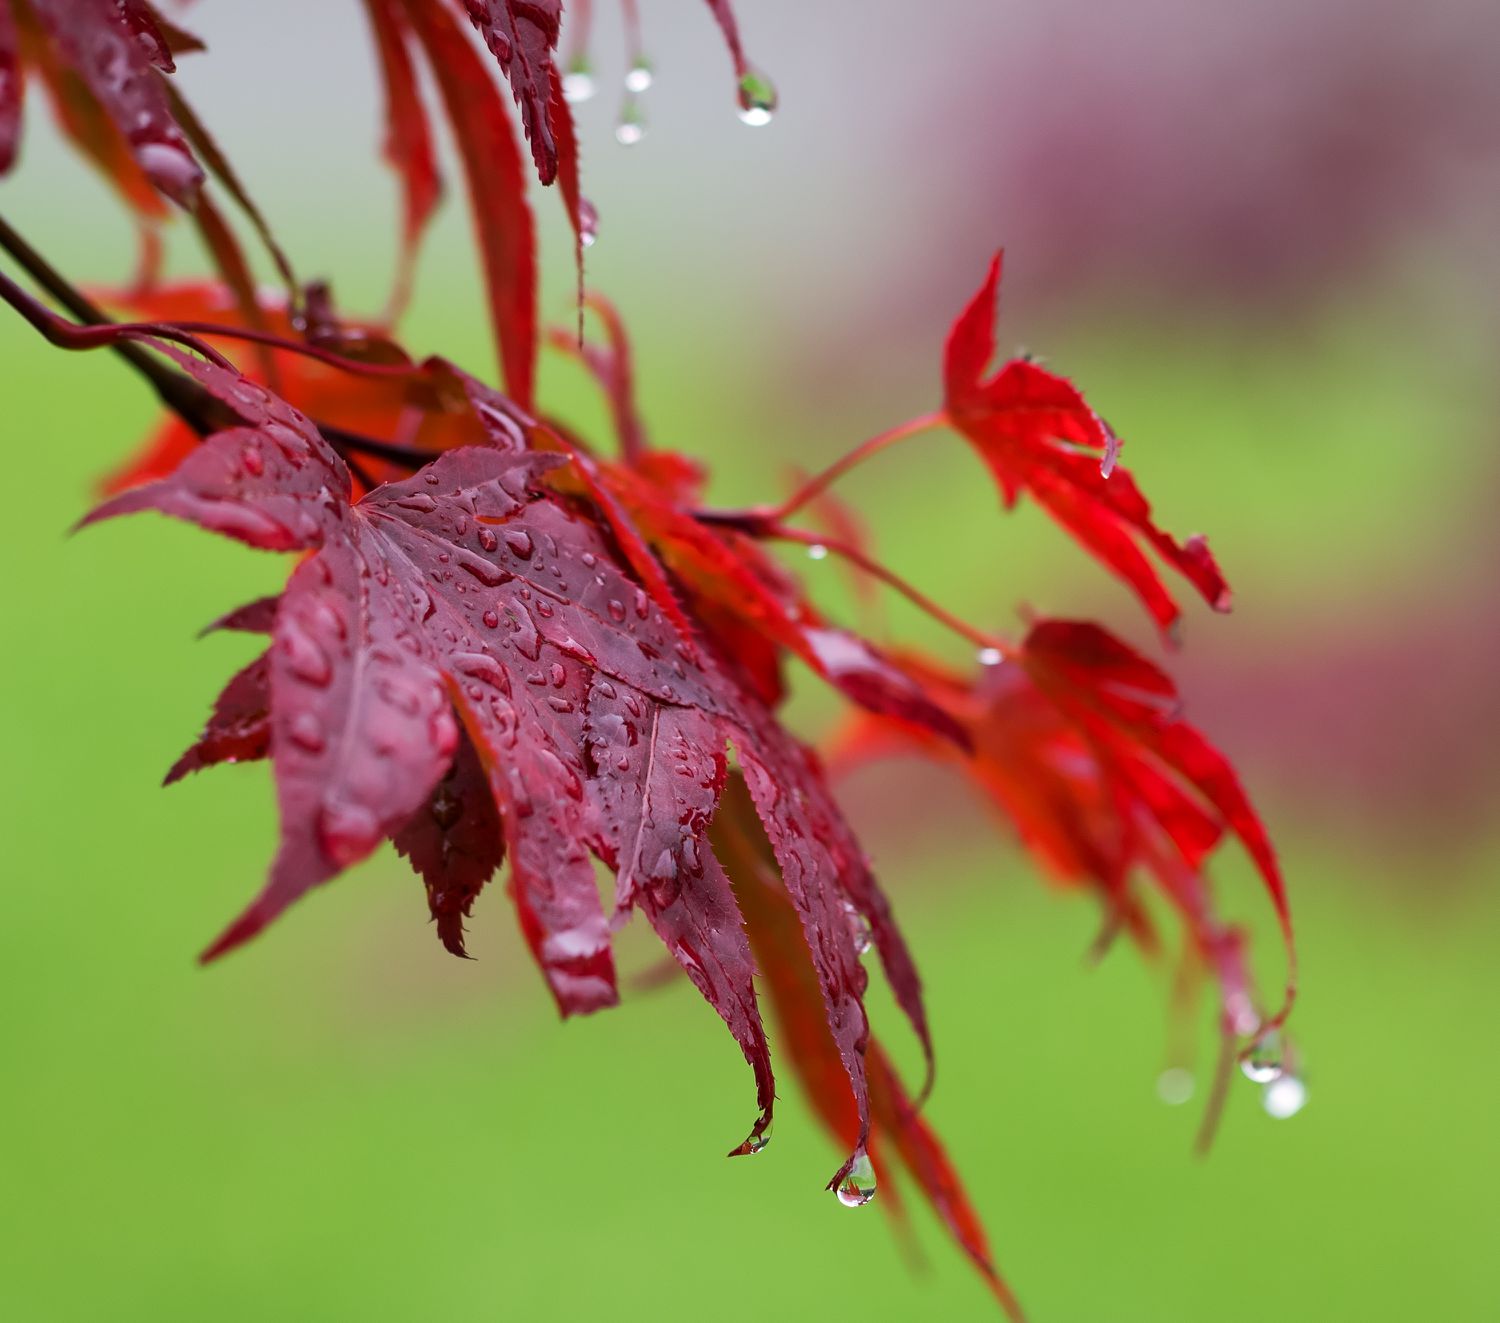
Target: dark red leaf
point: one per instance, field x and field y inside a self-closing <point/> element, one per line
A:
<point x="522" y="35"/>
<point x="257" y="617"/>
<point x="455" y="842"/>
<point x="600" y="729"/>
<point x="11" y="88"/>
<point x="497" y="189"/>
<point x="272" y="483"/>
<point x="144" y="24"/>
<point x="239" y="727"/>
<point x="792" y="987"/>
<point x="95" y="38"/>
<point x="1036" y="434"/>
<point x="408" y="139"/>
<point x="86" y="121"/>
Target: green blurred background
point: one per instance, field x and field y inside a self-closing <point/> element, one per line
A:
<point x="344" y="1122"/>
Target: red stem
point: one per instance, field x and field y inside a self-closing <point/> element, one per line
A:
<point x="892" y="580"/>
<point x="817" y="485"/>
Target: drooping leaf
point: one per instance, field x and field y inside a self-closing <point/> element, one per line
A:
<point x="522" y="36"/>
<point x="497" y="189"/>
<point x="1036" y="434"/>
<point x="408" y="140"/>
<point x="96" y="40"/>
<point x="11" y="88"/>
<point x="472" y="593"/>
<point x="898" y="1133"/>
<point x="1078" y="742"/>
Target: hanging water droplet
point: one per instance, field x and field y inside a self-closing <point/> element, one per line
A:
<point x="1174" y="1086"/>
<point x="1262" y="1062"/>
<point x="758" y="1143"/>
<point x="990" y="656"/>
<point x="858" y="1187"/>
<point x="757" y="99"/>
<point x="588" y="230"/>
<point x="639" y="76"/>
<point x="859" y="928"/>
<point x="630" y="128"/>
<point x="1284" y="1096"/>
<point x="578" y="82"/>
<point x="817" y="552"/>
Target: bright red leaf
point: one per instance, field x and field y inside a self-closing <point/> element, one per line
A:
<point x="1036" y="434"/>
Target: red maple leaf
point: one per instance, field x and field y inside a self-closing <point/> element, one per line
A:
<point x="472" y="596"/>
<point x="1036" y="434"/>
<point x="1078" y="741"/>
<point x="522" y="34"/>
<point x="500" y="646"/>
<point x="99" y="60"/>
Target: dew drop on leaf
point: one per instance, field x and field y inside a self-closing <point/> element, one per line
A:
<point x="757" y="99"/>
<point x="990" y="656"/>
<point x="858" y="1187"/>
<point x="817" y="552"/>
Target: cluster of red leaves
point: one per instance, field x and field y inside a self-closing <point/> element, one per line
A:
<point x="500" y="647"/>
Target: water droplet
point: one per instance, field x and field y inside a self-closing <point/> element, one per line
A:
<point x="630" y="128"/>
<point x="616" y="609"/>
<point x="491" y="619"/>
<point x="1262" y="1062"/>
<point x="488" y="540"/>
<point x="348" y="832"/>
<point x="1174" y="1086"/>
<point x="639" y="76"/>
<point x="817" y="552"/>
<point x="757" y="99"/>
<point x="1284" y="1096"/>
<point x="306" y="732"/>
<point x="519" y="541"/>
<point x="578" y="83"/>
<point x="305" y="657"/>
<point x="758" y="1143"/>
<point x="588" y="235"/>
<point x="990" y="656"/>
<point x="254" y="462"/>
<point x="859" y="928"/>
<point x="858" y="1187"/>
